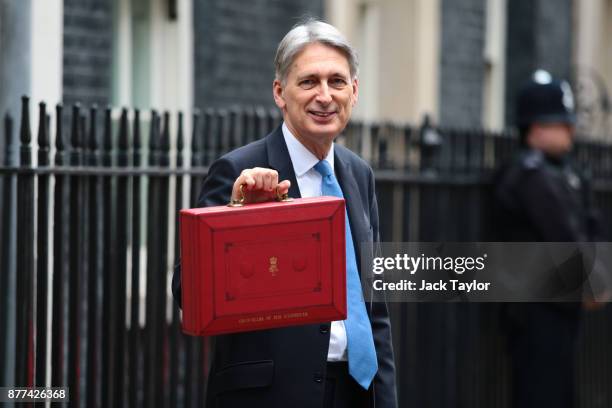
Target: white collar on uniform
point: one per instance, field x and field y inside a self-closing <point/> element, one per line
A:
<point x="302" y="158"/>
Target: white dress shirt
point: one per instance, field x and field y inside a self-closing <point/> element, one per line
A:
<point x="309" y="182"/>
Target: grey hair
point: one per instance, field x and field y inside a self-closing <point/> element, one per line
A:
<point x="308" y="32"/>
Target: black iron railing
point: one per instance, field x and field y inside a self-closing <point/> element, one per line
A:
<point x="88" y="241"/>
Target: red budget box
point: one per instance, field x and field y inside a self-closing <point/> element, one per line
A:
<point x="263" y="266"/>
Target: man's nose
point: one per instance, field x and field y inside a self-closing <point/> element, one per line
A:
<point x="324" y="96"/>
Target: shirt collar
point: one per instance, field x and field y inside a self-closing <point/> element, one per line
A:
<point x="302" y="158"/>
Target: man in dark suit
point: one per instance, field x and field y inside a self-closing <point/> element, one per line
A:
<point x="337" y="364"/>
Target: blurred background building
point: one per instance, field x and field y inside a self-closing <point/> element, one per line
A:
<point x="458" y="61"/>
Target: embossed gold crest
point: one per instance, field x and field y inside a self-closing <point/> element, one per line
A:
<point x="273" y="265"/>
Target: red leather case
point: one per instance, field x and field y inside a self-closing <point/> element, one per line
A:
<point x="263" y="266"/>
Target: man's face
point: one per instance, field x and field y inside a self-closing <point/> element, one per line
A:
<point x="554" y="139"/>
<point x="317" y="97"/>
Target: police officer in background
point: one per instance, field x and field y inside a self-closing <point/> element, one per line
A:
<point x="541" y="196"/>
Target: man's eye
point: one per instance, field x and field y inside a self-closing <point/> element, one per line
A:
<point x="337" y="82"/>
<point x="307" y="83"/>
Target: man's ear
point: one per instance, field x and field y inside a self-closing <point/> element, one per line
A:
<point x="355" y="85"/>
<point x="277" y="91"/>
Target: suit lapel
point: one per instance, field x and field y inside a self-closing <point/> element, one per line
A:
<point x="279" y="160"/>
<point x="350" y="189"/>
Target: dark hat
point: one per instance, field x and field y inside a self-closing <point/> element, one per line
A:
<point x="545" y="100"/>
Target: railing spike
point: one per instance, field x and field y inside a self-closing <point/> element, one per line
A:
<point x="75" y="130"/>
<point x="107" y="142"/>
<point x="195" y="127"/>
<point x="164" y="143"/>
<point x="25" y="135"/>
<point x="93" y="131"/>
<point x="123" y="130"/>
<point x="137" y="140"/>
<point x="43" y="131"/>
<point x="179" y="135"/>
<point x="153" y="133"/>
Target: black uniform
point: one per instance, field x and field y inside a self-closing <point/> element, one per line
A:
<point x="543" y="199"/>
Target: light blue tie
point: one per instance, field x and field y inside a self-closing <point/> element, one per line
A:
<point x="361" y="351"/>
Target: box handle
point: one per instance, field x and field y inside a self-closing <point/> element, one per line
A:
<point x="239" y="202"/>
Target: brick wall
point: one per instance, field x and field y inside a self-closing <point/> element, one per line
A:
<point x="235" y="43"/>
<point x="462" y="62"/>
<point x="87" y="51"/>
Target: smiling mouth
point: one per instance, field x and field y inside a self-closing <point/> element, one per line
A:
<point x="322" y="114"/>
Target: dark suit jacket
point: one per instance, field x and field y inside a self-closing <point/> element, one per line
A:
<point x="286" y="367"/>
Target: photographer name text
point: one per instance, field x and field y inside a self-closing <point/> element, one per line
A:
<point x="426" y="286"/>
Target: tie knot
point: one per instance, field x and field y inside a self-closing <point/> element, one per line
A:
<point x="324" y="168"/>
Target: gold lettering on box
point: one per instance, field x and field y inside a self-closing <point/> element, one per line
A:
<point x="260" y="319"/>
<point x="255" y="319"/>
